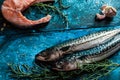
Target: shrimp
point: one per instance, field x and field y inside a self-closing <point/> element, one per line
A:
<point x="108" y="11"/>
<point x="12" y="11"/>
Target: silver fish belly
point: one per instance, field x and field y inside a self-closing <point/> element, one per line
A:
<point x="95" y="54"/>
<point x="82" y="43"/>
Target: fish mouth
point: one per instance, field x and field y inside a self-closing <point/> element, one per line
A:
<point x="58" y="69"/>
<point x="39" y="57"/>
<point x="62" y="69"/>
<point x="46" y="57"/>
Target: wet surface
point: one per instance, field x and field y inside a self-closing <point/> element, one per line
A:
<point x="19" y="46"/>
<point x="21" y="49"/>
<point x="80" y="14"/>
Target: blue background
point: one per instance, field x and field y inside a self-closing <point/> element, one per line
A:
<point x="20" y="46"/>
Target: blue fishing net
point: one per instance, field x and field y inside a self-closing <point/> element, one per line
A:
<point x="20" y="46"/>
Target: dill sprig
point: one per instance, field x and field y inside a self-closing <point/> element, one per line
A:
<point x="47" y="8"/>
<point x="93" y="71"/>
<point x="61" y="6"/>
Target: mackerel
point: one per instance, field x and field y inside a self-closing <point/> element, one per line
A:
<point x="55" y="52"/>
<point x="78" y="59"/>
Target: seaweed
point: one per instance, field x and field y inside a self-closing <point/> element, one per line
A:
<point x="92" y="71"/>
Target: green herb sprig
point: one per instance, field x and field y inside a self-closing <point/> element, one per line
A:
<point x="61" y="5"/>
<point x="48" y="8"/>
<point x="93" y="71"/>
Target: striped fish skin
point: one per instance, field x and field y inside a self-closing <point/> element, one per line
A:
<point x="98" y="53"/>
<point x="82" y="43"/>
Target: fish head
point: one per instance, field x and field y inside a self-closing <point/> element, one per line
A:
<point x="65" y="66"/>
<point x="48" y="55"/>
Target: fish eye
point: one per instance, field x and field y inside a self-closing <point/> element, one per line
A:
<point x="60" y="63"/>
